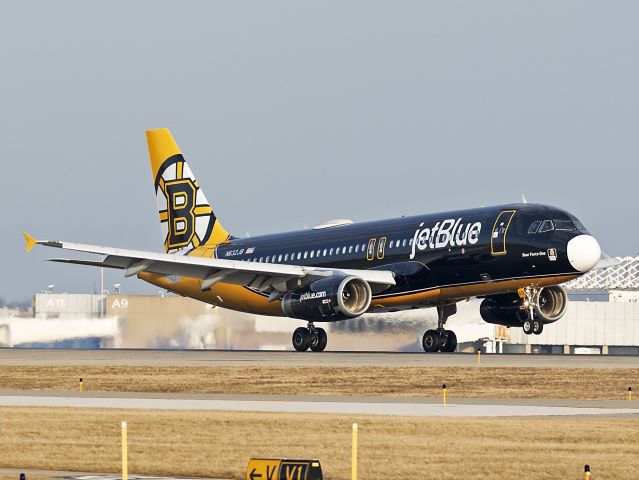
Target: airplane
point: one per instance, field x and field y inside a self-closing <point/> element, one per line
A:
<point x="515" y="257"/>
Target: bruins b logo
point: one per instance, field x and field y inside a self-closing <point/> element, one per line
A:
<point x="186" y="216"/>
<point x="180" y="196"/>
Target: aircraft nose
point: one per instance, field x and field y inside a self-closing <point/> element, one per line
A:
<point x="583" y="252"/>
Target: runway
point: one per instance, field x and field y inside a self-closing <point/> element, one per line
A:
<point x="50" y="357"/>
<point x="420" y="407"/>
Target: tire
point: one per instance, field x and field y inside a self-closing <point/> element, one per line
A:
<point x="450" y="342"/>
<point x="431" y="341"/>
<point x="538" y="327"/>
<point x="528" y="326"/>
<point x="322" y="339"/>
<point x="301" y="339"/>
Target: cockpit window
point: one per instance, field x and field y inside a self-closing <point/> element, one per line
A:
<point x="578" y="224"/>
<point x="534" y="226"/>
<point x="565" y="225"/>
<point x="546" y="226"/>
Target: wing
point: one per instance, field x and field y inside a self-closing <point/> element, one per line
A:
<point x="266" y="277"/>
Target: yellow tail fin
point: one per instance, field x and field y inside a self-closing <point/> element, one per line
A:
<point x="186" y="217"/>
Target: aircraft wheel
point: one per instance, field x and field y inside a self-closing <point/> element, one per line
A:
<point x="537" y="327"/>
<point x="318" y="344"/>
<point x="431" y="341"/>
<point x="301" y="339"/>
<point x="528" y="326"/>
<point x="449" y="341"/>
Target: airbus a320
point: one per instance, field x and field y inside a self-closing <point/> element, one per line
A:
<point x="512" y="256"/>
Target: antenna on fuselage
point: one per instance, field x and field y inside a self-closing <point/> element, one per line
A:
<point x="523" y="198"/>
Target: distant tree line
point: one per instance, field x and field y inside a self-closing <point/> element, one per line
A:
<point x="15" y="305"/>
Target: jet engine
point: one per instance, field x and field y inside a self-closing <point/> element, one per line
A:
<point x="510" y="310"/>
<point x="328" y="299"/>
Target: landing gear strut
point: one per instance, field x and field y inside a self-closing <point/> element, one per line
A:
<point x="441" y="340"/>
<point x="531" y="324"/>
<point x="309" y="337"/>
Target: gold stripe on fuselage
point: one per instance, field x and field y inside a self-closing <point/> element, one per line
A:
<point x="238" y="297"/>
<point x="233" y="297"/>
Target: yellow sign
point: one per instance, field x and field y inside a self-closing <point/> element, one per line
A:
<point x="263" y="469"/>
<point x="278" y="469"/>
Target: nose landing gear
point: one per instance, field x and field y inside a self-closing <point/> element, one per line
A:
<point x="531" y="323"/>
<point x="441" y="340"/>
<point x="309" y="337"/>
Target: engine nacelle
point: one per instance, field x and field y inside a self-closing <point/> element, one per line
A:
<point x="551" y="304"/>
<point x="328" y="299"/>
<point x="508" y="309"/>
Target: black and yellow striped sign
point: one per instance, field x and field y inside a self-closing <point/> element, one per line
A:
<point x="279" y="469"/>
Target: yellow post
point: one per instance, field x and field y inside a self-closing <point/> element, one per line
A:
<point x="629" y="393"/>
<point x="81" y="385"/>
<point x="444" y="394"/>
<point x="478" y="357"/>
<point x="354" y="454"/>
<point x="587" y="472"/>
<point x="125" y="466"/>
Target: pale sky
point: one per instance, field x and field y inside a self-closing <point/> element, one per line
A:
<point x="293" y="113"/>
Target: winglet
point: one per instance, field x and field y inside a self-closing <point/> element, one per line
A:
<point x="30" y="242"/>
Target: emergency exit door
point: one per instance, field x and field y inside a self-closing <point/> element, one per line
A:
<point x="500" y="230"/>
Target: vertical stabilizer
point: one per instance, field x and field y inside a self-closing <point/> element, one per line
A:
<point x="186" y="217"/>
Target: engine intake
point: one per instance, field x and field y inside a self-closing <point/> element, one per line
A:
<point x="508" y="309"/>
<point x="329" y="299"/>
<point x="551" y="304"/>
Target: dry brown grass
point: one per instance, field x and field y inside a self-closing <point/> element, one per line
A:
<point x="219" y="444"/>
<point x="544" y="383"/>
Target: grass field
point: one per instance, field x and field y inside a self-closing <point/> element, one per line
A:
<point x="219" y="444"/>
<point x="544" y="383"/>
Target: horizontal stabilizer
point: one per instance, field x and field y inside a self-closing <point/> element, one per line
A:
<point x="90" y="263"/>
<point x="31" y="242"/>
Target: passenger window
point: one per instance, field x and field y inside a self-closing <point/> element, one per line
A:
<point x="357" y="248"/>
<point x="268" y="259"/>
<point x="404" y="243"/>
<point x="324" y="253"/>
<point x="299" y="255"/>
<point x="534" y="226"/>
<point x="546" y="226"/>
<point x="331" y="252"/>
<point x="343" y="250"/>
<point x="350" y="249"/>
<point x="279" y="259"/>
<point x="305" y="254"/>
<point x="312" y="253"/>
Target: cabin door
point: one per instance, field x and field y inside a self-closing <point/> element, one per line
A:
<point x="500" y="230"/>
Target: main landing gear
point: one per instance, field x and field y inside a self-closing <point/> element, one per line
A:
<point x="309" y="337"/>
<point x="441" y="340"/>
<point x="531" y="324"/>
